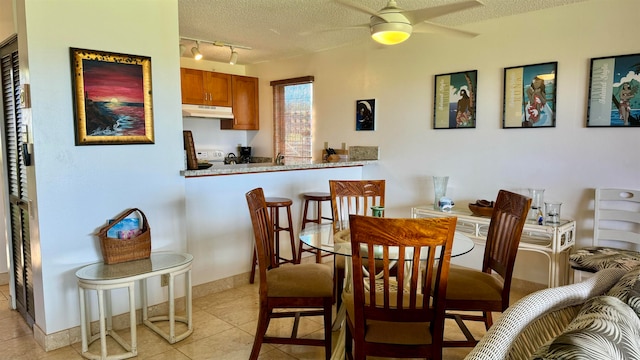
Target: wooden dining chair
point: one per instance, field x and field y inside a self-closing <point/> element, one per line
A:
<point x="303" y="289"/>
<point x="391" y="317"/>
<point x="487" y="290"/>
<point x="351" y="197"/>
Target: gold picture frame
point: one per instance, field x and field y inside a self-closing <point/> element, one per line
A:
<point x="112" y="98"/>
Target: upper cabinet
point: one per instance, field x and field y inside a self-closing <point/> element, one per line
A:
<point x="245" y="104"/>
<point x="205" y="88"/>
<point x="217" y="89"/>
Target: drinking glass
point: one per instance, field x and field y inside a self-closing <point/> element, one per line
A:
<point x="537" y="201"/>
<point x="377" y="211"/>
<point x="439" y="189"/>
<point x="552" y="212"/>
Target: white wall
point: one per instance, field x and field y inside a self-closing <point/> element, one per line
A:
<point x="568" y="160"/>
<point x="80" y="187"/>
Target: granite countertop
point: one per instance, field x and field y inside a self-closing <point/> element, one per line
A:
<point x="220" y="169"/>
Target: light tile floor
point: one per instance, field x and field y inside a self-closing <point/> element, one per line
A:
<point x="224" y="325"/>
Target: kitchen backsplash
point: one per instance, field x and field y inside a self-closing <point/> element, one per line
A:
<point x="363" y="153"/>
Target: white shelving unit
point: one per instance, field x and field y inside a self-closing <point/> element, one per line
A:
<point x="555" y="241"/>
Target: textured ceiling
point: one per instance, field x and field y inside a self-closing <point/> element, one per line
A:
<point x="277" y="29"/>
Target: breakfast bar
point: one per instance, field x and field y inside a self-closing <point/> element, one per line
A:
<point x="236" y="169"/>
<point x="218" y="224"/>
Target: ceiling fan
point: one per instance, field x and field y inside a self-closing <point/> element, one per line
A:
<point x="392" y="25"/>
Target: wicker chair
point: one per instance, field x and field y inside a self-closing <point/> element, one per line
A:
<point x="539" y="317"/>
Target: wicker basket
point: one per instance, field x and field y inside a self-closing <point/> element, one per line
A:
<point x="121" y="250"/>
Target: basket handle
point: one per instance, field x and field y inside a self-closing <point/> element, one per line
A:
<point x="145" y="225"/>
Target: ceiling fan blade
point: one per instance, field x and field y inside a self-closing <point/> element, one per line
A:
<point x="420" y="15"/>
<point x="357" y="7"/>
<point x="354" y="27"/>
<point x="429" y="27"/>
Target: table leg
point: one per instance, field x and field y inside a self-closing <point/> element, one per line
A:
<point x="83" y="320"/>
<point x="103" y="330"/>
<point x="188" y="299"/>
<point x="171" y="317"/>
<point x="132" y="320"/>
<point x="172" y="310"/>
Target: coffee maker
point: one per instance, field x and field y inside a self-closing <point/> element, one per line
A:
<point x="245" y="154"/>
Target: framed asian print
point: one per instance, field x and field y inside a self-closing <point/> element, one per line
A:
<point x="112" y="98"/>
<point x="530" y="96"/>
<point x="365" y="114"/>
<point x="454" y="103"/>
<point x="613" y="91"/>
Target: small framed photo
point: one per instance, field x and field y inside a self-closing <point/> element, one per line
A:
<point x="365" y="114"/>
<point x="454" y="101"/>
<point x="112" y="98"/>
<point x="530" y="96"/>
<point x="614" y="84"/>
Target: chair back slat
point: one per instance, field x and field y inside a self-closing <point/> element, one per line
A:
<point x="617" y="218"/>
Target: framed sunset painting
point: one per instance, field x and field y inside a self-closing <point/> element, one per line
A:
<point x="112" y="98"/>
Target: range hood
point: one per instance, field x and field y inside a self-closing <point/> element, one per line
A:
<point x="204" y="111"/>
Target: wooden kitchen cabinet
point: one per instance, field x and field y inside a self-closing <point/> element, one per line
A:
<point x="245" y="104"/>
<point x="205" y="88"/>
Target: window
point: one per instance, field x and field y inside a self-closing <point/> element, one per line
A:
<point x="292" y="103"/>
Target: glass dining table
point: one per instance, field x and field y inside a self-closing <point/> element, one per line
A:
<point x="322" y="237"/>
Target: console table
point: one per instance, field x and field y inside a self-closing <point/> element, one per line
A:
<point x="555" y="241"/>
<point x="101" y="277"/>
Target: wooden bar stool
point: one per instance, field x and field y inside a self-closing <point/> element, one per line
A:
<point x="275" y="204"/>
<point x="318" y="197"/>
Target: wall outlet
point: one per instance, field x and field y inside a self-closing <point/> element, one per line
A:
<point x="210" y="155"/>
<point x="217" y="155"/>
<point x="164" y="280"/>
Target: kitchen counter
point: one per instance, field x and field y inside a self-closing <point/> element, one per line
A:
<point x="220" y="169"/>
<point x="218" y="227"/>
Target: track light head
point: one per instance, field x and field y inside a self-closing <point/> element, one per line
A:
<point x="234" y="56"/>
<point x="196" y="51"/>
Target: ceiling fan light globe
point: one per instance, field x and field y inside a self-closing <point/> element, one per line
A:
<point x="390" y="33"/>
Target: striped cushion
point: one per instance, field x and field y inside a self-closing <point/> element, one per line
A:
<point x="627" y="289"/>
<point x="593" y="259"/>
<point x="605" y="328"/>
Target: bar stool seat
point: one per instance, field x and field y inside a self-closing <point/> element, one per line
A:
<point x="318" y="197"/>
<point x="275" y="204"/>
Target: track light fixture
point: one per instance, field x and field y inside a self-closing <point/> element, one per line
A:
<point x="196" y="51"/>
<point x="234" y="56"/>
<point x="198" y="55"/>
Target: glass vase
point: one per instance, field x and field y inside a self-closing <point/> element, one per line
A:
<point x="439" y="189"/>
